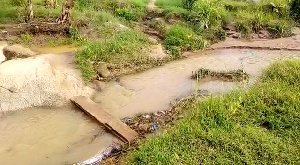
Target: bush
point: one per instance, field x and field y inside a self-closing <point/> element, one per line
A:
<point x="188" y="4"/>
<point x="277" y="7"/>
<point x="244" y="22"/>
<point x="209" y="12"/>
<point x="214" y="34"/>
<point x="279" y="28"/>
<point x="126" y="13"/>
<point x="295" y="10"/>
<point x="184" y="38"/>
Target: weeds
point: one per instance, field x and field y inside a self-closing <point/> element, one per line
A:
<point x="260" y="126"/>
<point x="234" y="75"/>
<point x="180" y="38"/>
<point x="26" y="38"/>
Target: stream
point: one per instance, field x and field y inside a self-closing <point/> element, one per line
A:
<point x="154" y="89"/>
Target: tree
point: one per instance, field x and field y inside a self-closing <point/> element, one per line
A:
<point x="29" y="14"/>
<point x="65" y="15"/>
<point x="295" y="9"/>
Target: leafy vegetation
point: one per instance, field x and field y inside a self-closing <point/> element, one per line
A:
<point x="208" y="17"/>
<point x="260" y="126"/>
<point x="295" y="10"/>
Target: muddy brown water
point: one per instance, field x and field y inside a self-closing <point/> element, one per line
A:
<point x="154" y="90"/>
<point x="54" y="136"/>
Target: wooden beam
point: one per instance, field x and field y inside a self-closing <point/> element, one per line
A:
<point x="112" y="123"/>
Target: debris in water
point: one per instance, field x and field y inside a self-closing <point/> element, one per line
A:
<point x="154" y="127"/>
<point x="98" y="158"/>
<point x="234" y="75"/>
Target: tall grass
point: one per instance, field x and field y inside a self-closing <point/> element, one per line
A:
<point x="125" y="49"/>
<point x="260" y="126"/>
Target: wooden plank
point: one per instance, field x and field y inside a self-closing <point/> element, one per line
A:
<point x="110" y="122"/>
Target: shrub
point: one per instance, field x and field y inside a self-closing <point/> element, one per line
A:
<point x="277" y="7"/>
<point x="279" y="28"/>
<point x="295" y="10"/>
<point x="183" y="38"/>
<point x="214" y="34"/>
<point x="188" y="4"/>
<point x="126" y="13"/>
<point x="208" y="12"/>
<point x="244" y="22"/>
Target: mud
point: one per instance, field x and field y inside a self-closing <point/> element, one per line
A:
<point x="54" y="50"/>
<point x="289" y="43"/>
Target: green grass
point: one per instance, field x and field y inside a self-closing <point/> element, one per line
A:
<point x="260" y="126"/>
<point x="127" y="49"/>
<point x="168" y="3"/>
<point x="207" y="18"/>
<point x="180" y="38"/>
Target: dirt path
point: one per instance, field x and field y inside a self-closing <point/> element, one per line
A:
<point x="151" y="5"/>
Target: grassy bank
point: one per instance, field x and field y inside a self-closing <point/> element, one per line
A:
<point x="125" y="50"/>
<point x="100" y="27"/>
<point x="260" y="126"/>
<point x="210" y="19"/>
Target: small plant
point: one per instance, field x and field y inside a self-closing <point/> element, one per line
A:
<point x="184" y="39"/>
<point x="126" y="13"/>
<point x="75" y="35"/>
<point x="188" y="4"/>
<point x="26" y="38"/>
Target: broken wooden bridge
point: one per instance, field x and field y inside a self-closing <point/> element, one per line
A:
<point x="112" y="123"/>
